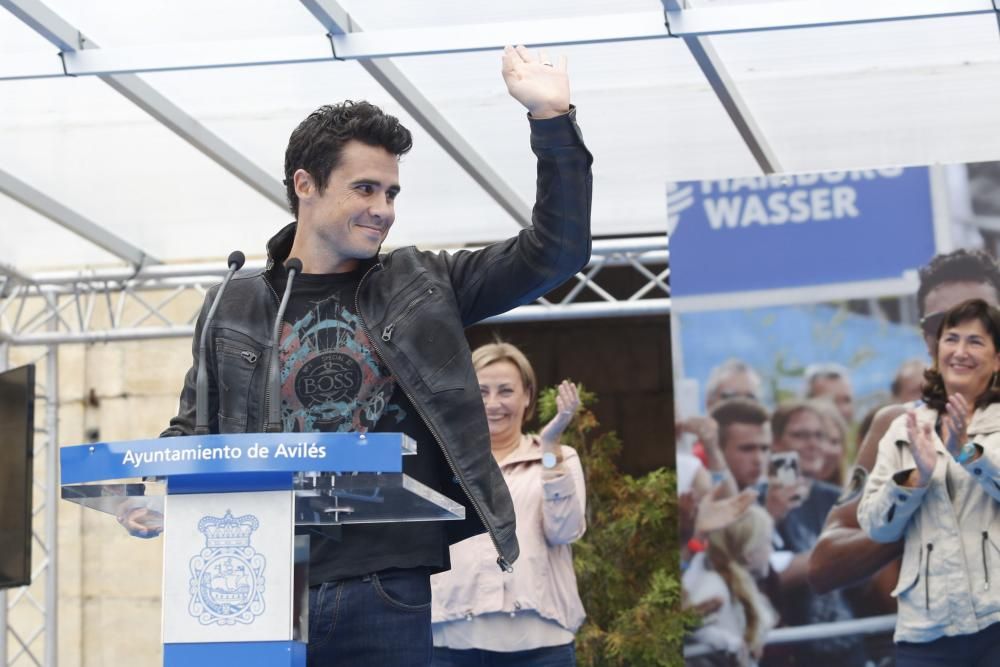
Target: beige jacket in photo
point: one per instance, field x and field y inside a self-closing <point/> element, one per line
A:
<point x="949" y="583"/>
<point x="550" y="515"/>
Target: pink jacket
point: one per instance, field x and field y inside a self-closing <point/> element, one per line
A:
<point x="550" y="515"/>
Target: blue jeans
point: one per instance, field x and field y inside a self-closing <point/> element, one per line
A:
<point x="378" y="619"/>
<point x="550" y="656"/>
<point x="981" y="649"/>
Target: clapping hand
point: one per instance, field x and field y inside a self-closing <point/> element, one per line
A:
<point x="921" y="447"/>
<point x="537" y="83"/>
<point x="567" y="403"/>
<point x="955" y="423"/>
<point x="715" y="511"/>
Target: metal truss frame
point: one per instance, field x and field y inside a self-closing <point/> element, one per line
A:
<point x="37" y="642"/>
<point x="121" y="305"/>
<point x="698" y="22"/>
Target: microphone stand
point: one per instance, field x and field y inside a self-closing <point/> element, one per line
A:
<point x="273" y="396"/>
<point x="235" y="262"/>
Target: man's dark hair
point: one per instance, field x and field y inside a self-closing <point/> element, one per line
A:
<point x="316" y="144"/>
<point x="738" y="411"/>
<point x="935" y="394"/>
<point x="972" y="266"/>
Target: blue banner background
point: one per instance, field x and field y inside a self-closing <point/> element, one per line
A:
<point x="813" y="229"/>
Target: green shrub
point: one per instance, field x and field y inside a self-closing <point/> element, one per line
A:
<point x="627" y="564"/>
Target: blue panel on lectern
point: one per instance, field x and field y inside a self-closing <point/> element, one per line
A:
<point x="234" y="453"/>
<point x="245" y="654"/>
<point x="227" y="482"/>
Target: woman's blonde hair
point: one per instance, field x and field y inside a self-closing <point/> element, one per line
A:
<point x="726" y="552"/>
<point x="492" y="353"/>
<point x="831" y="416"/>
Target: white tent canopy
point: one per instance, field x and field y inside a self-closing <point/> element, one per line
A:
<point x="139" y="133"/>
<point x="850" y="95"/>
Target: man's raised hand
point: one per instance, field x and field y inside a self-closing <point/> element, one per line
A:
<point x="539" y="84"/>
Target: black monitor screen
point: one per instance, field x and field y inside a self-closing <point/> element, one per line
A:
<point x="17" y="430"/>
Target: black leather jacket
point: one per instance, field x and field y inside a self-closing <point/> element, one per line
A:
<point x="415" y="306"/>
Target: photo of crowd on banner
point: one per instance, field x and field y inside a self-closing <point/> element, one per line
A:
<point x="780" y="439"/>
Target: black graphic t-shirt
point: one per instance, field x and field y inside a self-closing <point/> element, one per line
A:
<point x="332" y="380"/>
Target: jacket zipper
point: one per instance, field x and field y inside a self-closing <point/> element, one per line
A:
<point x="986" y="569"/>
<point x="267" y="367"/>
<point x="248" y="356"/>
<point x="927" y="577"/>
<point x="387" y="331"/>
<point x="501" y="561"/>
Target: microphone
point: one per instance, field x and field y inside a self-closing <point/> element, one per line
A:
<point x="272" y="398"/>
<point x="235" y="262"/>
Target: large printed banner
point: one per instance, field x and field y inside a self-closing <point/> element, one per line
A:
<point x="750" y="234"/>
<point x="764" y="271"/>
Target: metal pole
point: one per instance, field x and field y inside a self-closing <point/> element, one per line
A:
<point x="3" y="593"/>
<point x="871" y="625"/>
<point x="649" y="246"/>
<point x="392" y="43"/>
<point x="587" y="310"/>
<point x="52" y="502"/>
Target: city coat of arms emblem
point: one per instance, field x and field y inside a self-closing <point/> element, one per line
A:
<point x="227" y="576"/>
